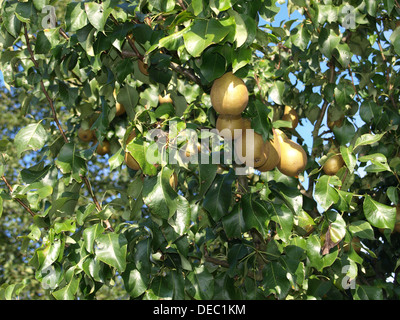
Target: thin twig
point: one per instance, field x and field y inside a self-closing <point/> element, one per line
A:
<point x="182" y="5"/>
<point x="16" y="199"/>
<point x="55" y="118"/>
<point x="50" y="101"/>
<point x="317" y="126"/>
<point x="96" y="202"/>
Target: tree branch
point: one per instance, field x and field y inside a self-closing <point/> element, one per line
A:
<point x="55" y="118"/>
<point x="26" y="207"/>
<point x="96" y="202"/>
<point x="317" y="126"/>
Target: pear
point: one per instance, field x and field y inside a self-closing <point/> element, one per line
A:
<point x="120" y="109"/>
<point x="85" y="135"/>
<point x="103" y="148"/>
<point x="274" y="154"/>
<point x="290" y="114"/>
<point x="173" y="181"/>
<point x="226" y="125"/>
<point x="229" y="94"/>
<point x="129" y="159"/>
<point x="165" y="99"/>
<point x="258" y="149"/>
<point x="334" y="163"/>
<point x="293" y="158"/>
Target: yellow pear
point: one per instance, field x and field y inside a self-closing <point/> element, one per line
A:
<point x="290" y="114"/>
<point x="274" y="154"/>
<point x="334" y="163"/>
<point x="165" y="99"/>
<point x="293" y="158"/>
<point x="226" y="125"/>
<point x="103" y="148"/>
<point x="85" y="135"/>
<point x="259" y="150"/>
<point x="173" y="181"/>
<point x="229" y="94"/>
<point x="129" y="159"/>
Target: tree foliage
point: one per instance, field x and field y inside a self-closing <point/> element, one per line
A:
<point x="75" y="224"/>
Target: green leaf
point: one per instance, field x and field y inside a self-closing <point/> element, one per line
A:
<point x="90" y="234"/>
<point x="348" y="157"/>
<point x="275" y="280"/>
<point x="69" y="291"/>
<point x="378" y="162"/>
<point x="163" y="5"/>
<point x="116" y="159"/>
<point x="97" y="15"/>
<point x="159" y="196"/>
<point x="260" y="121"/>
<point x="46" y="40"/>
<point x="241" y="28"/>
<point x="207" y="174"/>
<point x="212" y="65"/>
<point x="197" y="6"/>
<point x="276" y="92"/>
<point x="301" y="38"/>
<point x="138" y="148"/>
<point x="283" y="216"/>
<point x="32" y="137"/>
<point x="129" y="97"/>
<point x="361" y="229"/>
<point x="328" y="41"/>
<point x="202" y="34"/>
<point x="337" y="226"/>
<point x="135" y="282"/>
<point x="368" y="138"/>
<point x="69" y="162"/>
<point x="111" y="248"/>
<point x="25" y="11"/>
<point x="256" y="214"/>
<point x="378" y="214"/>
<point x="234" y="224"/>
<point x="200" y="284"/>
<point x="368" y="110"/>
<point x="325" y="194"/>
<point x="345" y="133"/>
<point x="68" y="225"/>
<point x="219" y="196"/>
<point x="75" y="16"/>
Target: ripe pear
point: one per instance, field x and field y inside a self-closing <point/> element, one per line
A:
<point x="337" y="123"/>
<point x="120" y="109"/>
<point x="229" y="94"/>
<point x="103" y="148"/>
<point x="293" y="158"/>
<point x="165" y="99"/>
<point x="258" y="149"/>
<point x="290" y="114"/>
<point x="129" y="159"/>
<point x="173" y="181"/>
<point x="274" y="154"/>
<point x="226" y="125"/>
<point x="85" y="135"/>
<point x="334" y="163"/>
